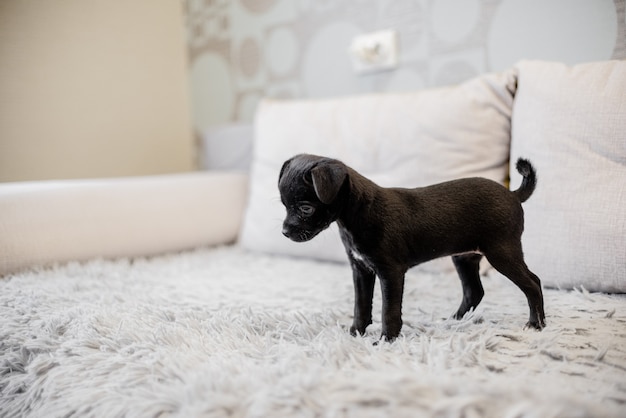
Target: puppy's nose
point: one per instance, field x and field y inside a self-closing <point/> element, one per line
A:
<point x="285" y="232"/>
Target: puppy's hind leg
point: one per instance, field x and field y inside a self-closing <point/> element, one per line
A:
<point x="468" y="266"/>
<point x="508" y="259"/>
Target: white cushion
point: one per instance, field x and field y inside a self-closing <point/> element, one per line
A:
<point x="227" y="147"/>
<point x="571" y="123"/>
<point x="405" y="140"/>
<point x="57" y="221"/>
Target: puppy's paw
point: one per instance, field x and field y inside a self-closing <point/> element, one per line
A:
<point x="536" y="325"/>
<point x="356" y="331"/>
<point x="387" y="337"/>
<point x="358" y="327"/>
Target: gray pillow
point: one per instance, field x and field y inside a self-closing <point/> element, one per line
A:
<point x="571" y="123"/>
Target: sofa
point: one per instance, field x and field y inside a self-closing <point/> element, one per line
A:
<point x="177" y="295"/>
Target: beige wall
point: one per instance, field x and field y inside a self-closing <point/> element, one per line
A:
<point x="93" y="89"/>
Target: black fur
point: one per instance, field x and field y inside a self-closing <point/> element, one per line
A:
<point x="386" y="231"/>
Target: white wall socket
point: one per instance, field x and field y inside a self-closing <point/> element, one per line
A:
<point x="373" y="52"/>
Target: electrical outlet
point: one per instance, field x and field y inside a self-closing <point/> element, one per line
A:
<point x="373" y="52"/>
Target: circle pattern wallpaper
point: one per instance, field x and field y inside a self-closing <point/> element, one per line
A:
<point x="243" y="50"/>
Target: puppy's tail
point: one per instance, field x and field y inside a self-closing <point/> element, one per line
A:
<point x="529" y="182"/>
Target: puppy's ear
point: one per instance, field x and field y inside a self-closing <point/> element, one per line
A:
<point x="327" y="180"/>
<point x="282" y="170"/>
<point x="307" y="177"/>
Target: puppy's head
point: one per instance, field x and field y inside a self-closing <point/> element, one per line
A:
<point x="311" y="190"/>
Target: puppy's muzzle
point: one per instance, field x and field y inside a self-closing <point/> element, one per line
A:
<point x="286" y="232"/>
<point x="296" y="234"/>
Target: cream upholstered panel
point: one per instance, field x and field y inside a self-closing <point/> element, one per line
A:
<point x="57" y="221"/>
<point x="405" y="140"/>
<point x="571" y="123"/>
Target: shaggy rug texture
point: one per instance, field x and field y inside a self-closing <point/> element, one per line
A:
<point x="226" y="333"/>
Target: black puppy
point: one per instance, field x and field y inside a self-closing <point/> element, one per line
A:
<point x="388" y="230"/>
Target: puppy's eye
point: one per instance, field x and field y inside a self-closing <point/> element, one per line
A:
<point x="306" y="210"/>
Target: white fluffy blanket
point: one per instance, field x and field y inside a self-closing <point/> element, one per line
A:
<point x="222" y="332"/>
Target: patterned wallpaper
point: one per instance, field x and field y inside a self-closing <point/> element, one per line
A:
<point x="243" y="50"/>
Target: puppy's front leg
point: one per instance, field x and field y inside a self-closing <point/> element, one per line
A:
<point x="364" y="279"/>
<point x="392" y="288"/>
